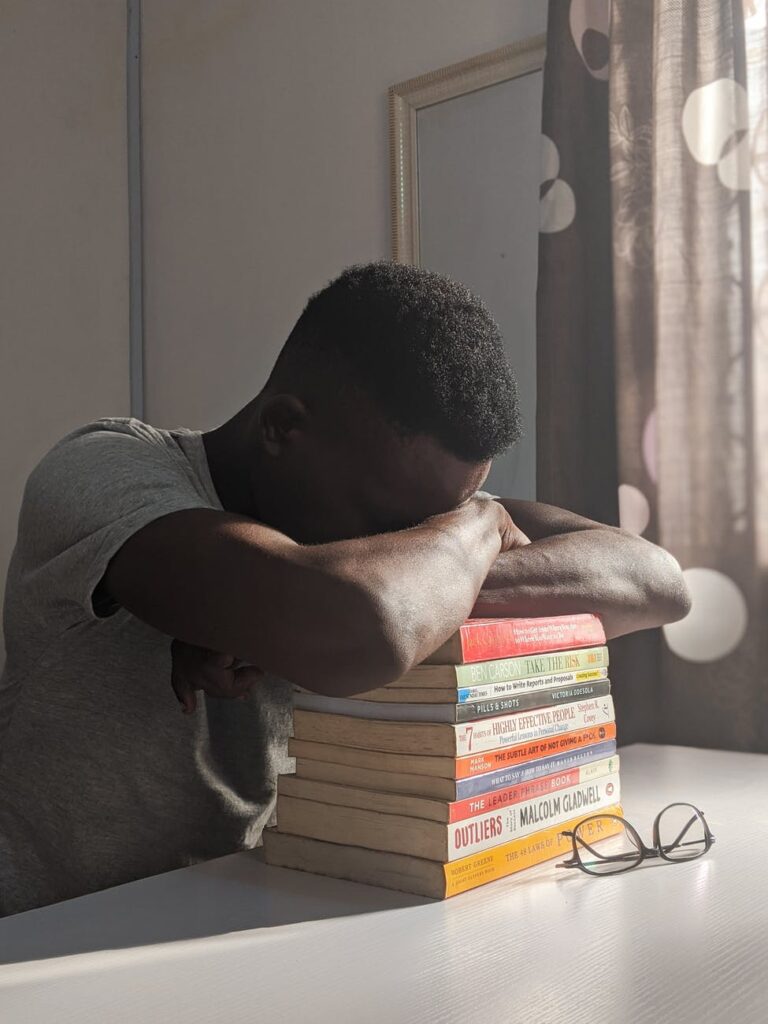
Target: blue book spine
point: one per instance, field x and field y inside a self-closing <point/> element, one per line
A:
<point x="533" y="769"/>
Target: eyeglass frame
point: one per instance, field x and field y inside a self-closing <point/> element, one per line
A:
<point x="646" y="852"/>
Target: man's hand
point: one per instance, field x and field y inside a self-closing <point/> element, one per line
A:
<point x="511" y="534"/>
<point x="482" y="508"/>
<point x="218" y="675"/>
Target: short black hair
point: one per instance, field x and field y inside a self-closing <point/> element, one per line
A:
<point x="422" y="346"/>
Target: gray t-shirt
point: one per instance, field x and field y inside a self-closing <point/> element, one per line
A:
<point x="102" y="778"/>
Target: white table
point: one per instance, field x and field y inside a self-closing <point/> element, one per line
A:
<point x="235" y="941"/>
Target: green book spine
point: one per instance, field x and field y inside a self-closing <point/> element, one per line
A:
<point x="506" y="669"/>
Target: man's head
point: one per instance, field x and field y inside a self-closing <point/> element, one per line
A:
<point x="386" y="404"/>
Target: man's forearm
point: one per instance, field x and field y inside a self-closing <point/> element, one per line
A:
<point x="346" y="616"/>
<point x="578" y="565"/>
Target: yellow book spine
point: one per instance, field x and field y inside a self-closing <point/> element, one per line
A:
<point x="506" y="859"/>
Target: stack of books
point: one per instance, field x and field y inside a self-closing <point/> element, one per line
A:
<point x="465" y="770"/>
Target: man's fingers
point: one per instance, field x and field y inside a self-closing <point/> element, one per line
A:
<point x="183" y="658"/>
<point x="219" y="660"/>
<point x="215" y="673"/>
<point x="244" y="680"/>
<point x="221" y="683"/>
<point x="185" y="693"/>
<point x="248" y="675"/>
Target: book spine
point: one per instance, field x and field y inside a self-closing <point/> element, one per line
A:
<point x="508" y="858"/>
<point x="446" y="712"/>
<point x="490" y="733"/>
<point x="485" y="639"/>
<point x="479" y="764"/>
<point x="477" y="785"/>
<point x="518" y="820"/>
<point x="549" y="697"/>
<point x="460" y="810"/>
<point x="503" y="670"/>
<point x="489" y="691"/>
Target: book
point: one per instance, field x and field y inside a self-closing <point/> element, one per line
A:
<point x="473" y="694"/>
<point x="469" y="694"/>
<point x="432" y="840"/>
<point x="473" y="806"/>
<point x="451" y="767"/>
<point x="500" y="670"/>
<point x="451" y="740"/>
<point x="479" y="764"/>
<point x="524" y="770"/>
<point x="425" y="877"/>
<point x="443" y="811"/>
<point x="486" y="639"/>
<point x="466" y="712"/>
<point x="450" y="789"/>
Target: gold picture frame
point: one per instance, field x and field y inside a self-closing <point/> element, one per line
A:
<point x="407" y="98"/>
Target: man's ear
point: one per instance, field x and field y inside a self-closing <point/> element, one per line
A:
<point x="283" y="419"/>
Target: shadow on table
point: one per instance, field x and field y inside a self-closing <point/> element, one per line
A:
<point x="228" y="894"/>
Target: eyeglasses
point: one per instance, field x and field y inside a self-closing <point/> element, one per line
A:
<point x="680" y="832"/>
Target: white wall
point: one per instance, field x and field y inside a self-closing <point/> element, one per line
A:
<point x="266" y="168"/>
<point x="63" y="230"/>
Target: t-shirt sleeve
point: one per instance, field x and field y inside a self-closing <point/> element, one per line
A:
<point x="82" y="502"/>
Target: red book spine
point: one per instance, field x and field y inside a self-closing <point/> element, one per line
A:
<point x="486" y="639"/>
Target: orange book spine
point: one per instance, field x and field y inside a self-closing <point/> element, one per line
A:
<point x="506" y="859"/>
<point x="493" y="760"/>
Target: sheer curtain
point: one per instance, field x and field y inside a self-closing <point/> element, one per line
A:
<point x="653" y="295"/>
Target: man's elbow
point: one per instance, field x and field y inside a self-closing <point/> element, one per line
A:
<point x="669" y="593"/>
<point x="357" y="670"/>
<point x="367" y="651"/>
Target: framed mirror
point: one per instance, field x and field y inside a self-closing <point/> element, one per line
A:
<point x="465" y="177"/>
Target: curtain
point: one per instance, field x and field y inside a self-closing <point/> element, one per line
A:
<point x="653" y="334"/>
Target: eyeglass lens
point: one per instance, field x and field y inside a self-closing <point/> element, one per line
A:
<point x="682" y="833"/>
<point x="600" y="856"/>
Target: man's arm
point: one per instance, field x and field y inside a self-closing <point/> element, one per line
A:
<point x="577" y="565"/>
<point x="337" y="618"/>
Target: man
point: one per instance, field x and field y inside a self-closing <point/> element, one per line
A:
<point x="330" y="534"/>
